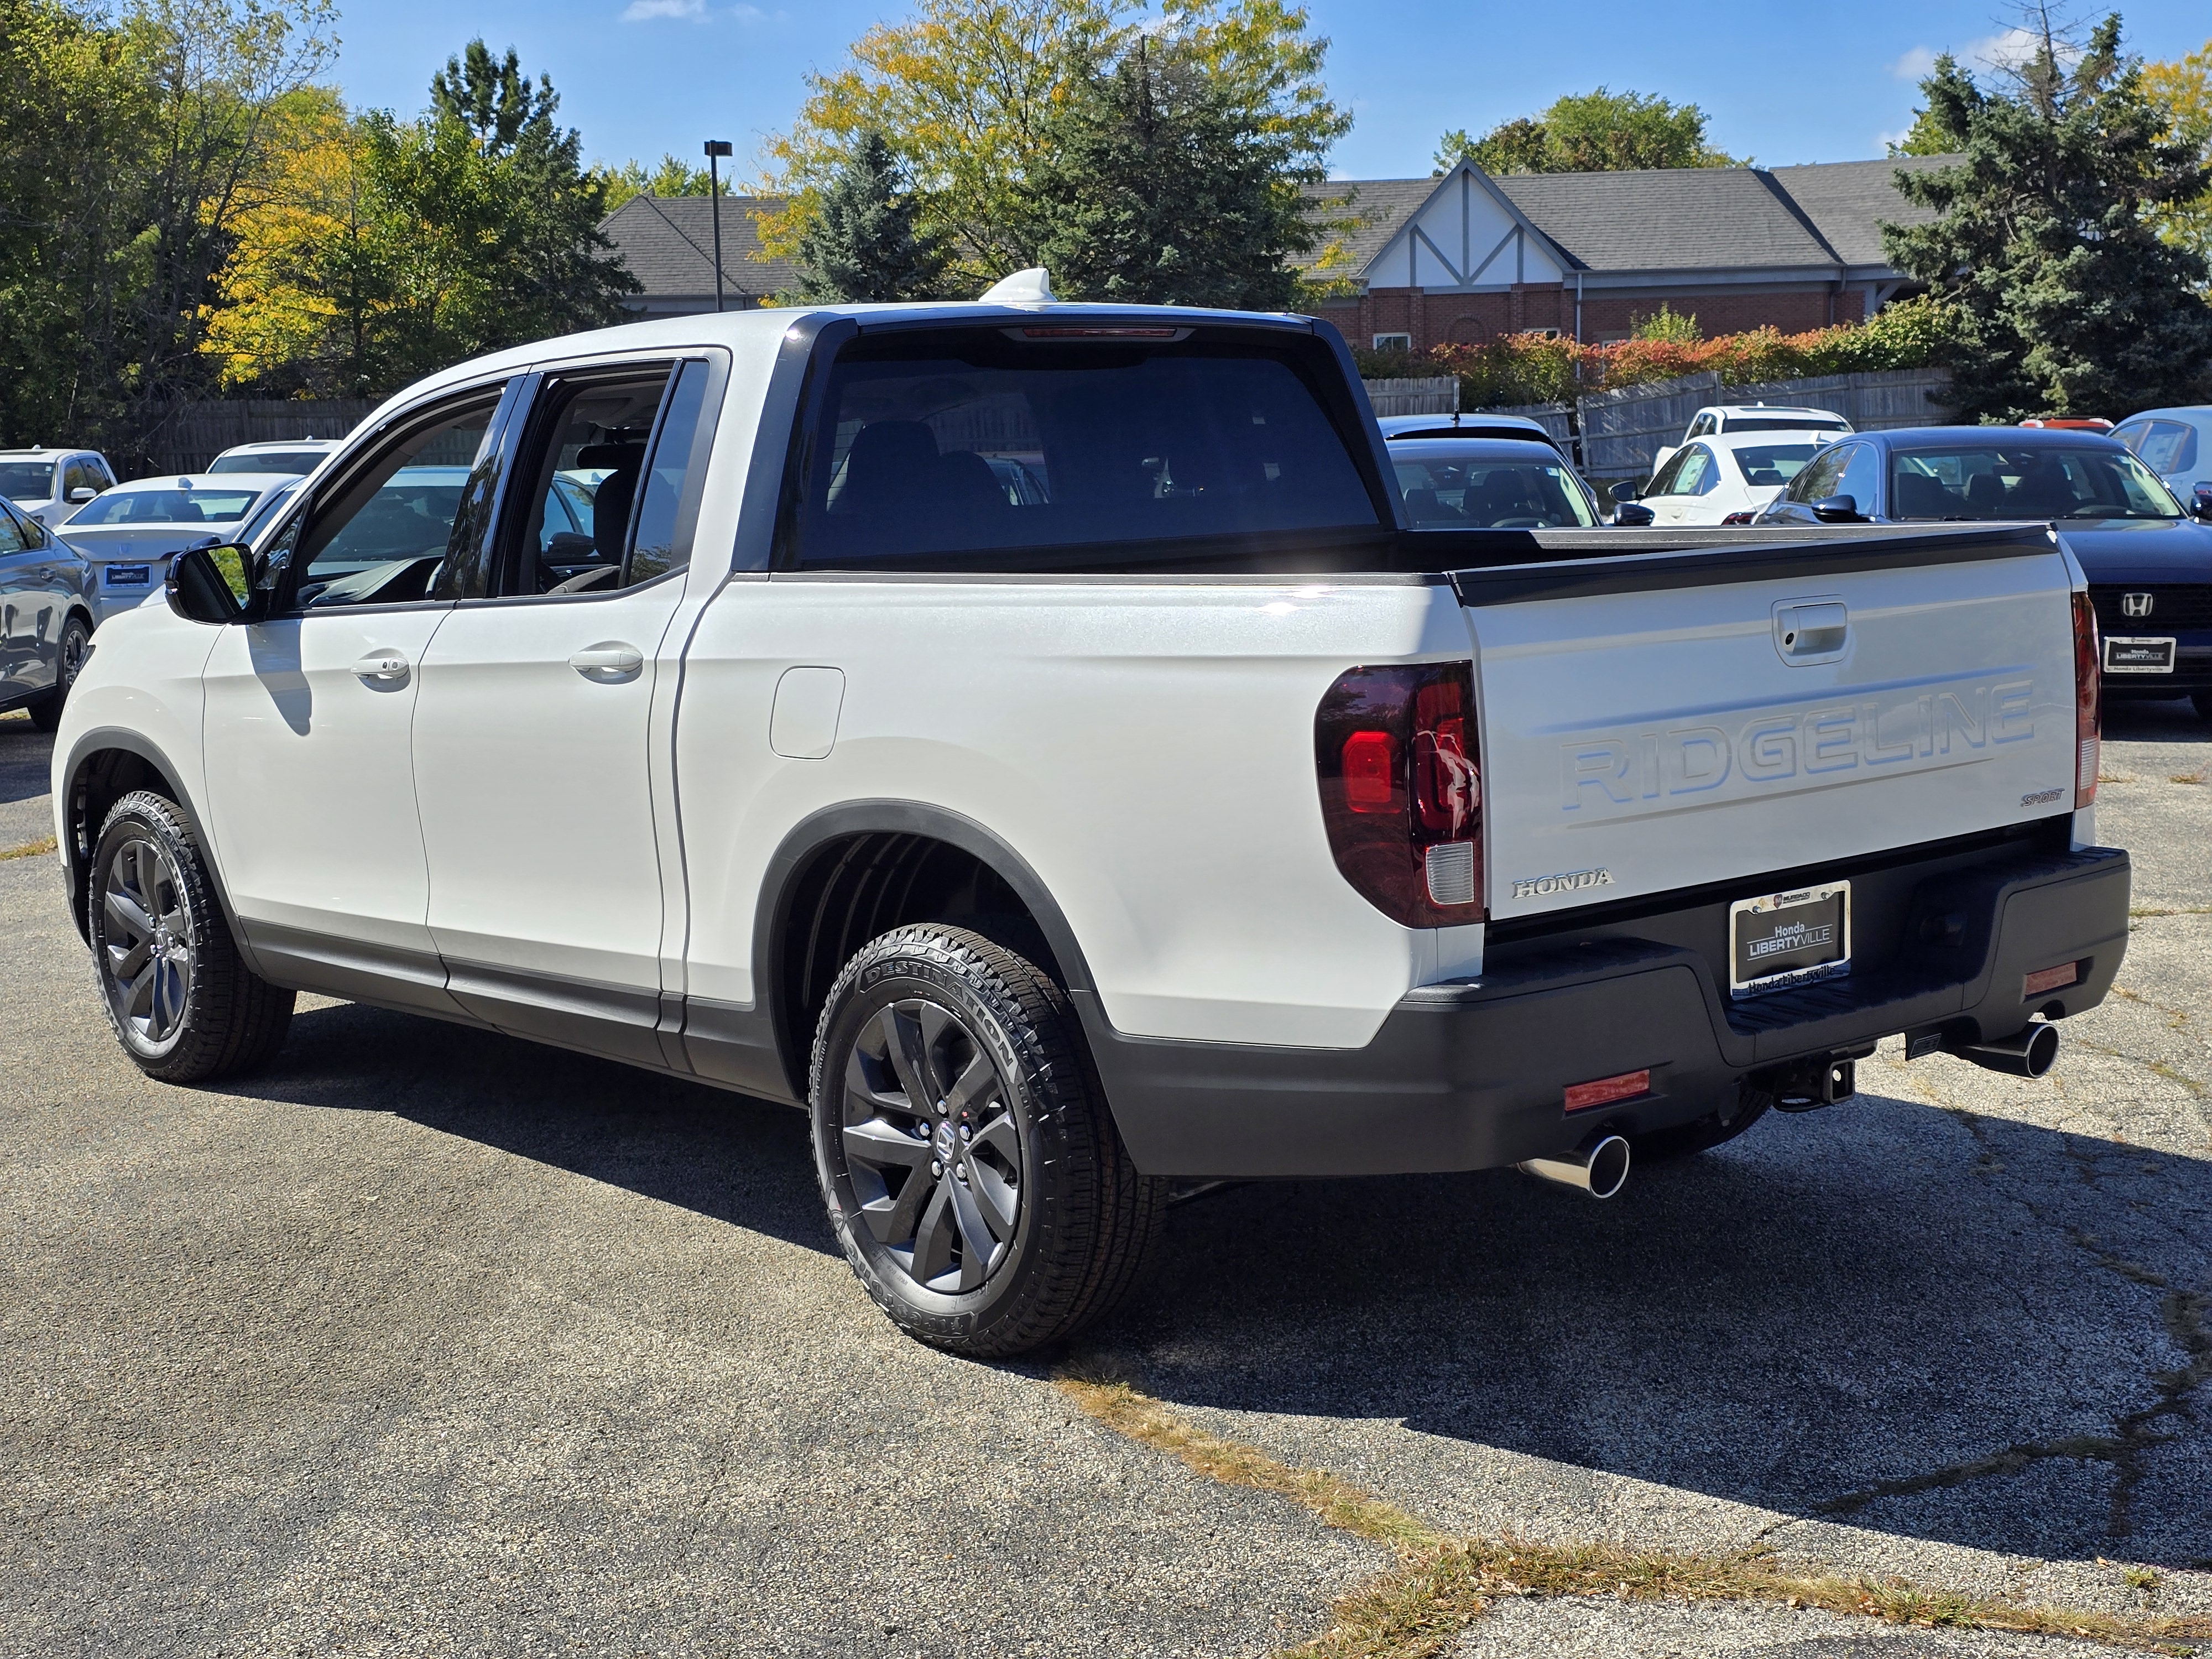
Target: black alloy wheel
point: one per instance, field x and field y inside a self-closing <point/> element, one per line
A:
<point x="971" y="1169"/>
<point x="76" y="645"/>
<point x="183" y="1002"/>
<point x="932" y="1145"/>
<point x="146" y="943"/>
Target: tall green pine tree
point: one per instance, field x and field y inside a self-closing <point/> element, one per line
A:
<point x="864" y="244"/>
<point x="1159" y="187"/>
<point x="2072" y="304"/>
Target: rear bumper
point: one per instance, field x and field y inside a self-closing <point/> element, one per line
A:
<point x="1471" y="1074"/>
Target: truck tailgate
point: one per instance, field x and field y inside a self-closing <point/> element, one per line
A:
<point x="1669" y="720"/>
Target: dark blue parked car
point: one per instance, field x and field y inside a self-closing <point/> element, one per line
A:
<point x="2148" y="560"/>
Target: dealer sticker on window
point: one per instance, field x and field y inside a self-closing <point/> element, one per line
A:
<point x="2138" y="656"/>
<point x="1788" y="939"/>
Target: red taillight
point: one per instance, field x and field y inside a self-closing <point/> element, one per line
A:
<point x="1371" y="782"/>
<point x="2089" y="700"/>
<point x="1401" y="790"/>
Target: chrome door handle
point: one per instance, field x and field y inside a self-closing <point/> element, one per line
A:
<point x="46" y="572"/>
<point x="383" y="667"/>
<point x="607" y="662"/>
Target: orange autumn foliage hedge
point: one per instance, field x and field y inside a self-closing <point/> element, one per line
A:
<point x="1532" y="368"/>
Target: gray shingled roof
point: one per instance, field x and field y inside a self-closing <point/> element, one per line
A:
<point x="1848" y="201"/>
<point x="668" y="243"/>
<point x="1675" y="219"/>
<point x="1381" y="205"/>
<point x="1679" y="219"/>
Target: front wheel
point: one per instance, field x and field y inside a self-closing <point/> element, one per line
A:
<point x="75" y="647"/>
<point x="971" y="1168"/>
<point x="184" y="1005"/>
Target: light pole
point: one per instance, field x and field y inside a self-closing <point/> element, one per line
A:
<point x="716" y="148"/>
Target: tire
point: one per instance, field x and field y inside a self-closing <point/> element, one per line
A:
<point x="76" y="641"/>
<point x="183" y="1004"/>
<point x="1716" y="1128"/>
<point x="971" y="1170"/>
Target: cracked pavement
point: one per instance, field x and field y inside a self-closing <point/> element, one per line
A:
<point x="433" y="1342"/>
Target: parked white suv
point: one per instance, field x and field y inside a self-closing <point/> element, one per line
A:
<point x="1734" y="419"/>
<point x="1188" y="815"/>
<point x="50" y="484"/>
<point x="298" y="456"/>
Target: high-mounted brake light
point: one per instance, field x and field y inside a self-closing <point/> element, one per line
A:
<point x="2088" y="702"/>
<point x="1080" y="331"/>
<point x="1401" y="790"/>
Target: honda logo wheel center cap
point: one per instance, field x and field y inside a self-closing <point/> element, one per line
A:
<point x="945" y="1144"/>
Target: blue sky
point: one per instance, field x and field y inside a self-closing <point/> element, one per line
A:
<point x="1783" y="83"/>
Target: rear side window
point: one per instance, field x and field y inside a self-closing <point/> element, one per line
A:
<point x="2165" y="446"/>
<point x="969" y="440"/>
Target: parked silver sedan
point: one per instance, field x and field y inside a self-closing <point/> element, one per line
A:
<point x="47" y="598"/>
<point x="131" y="534"/>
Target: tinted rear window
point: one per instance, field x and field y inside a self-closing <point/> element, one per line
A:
<point x="269" y="460"/>
<point x="1115" y="442"/>
<point x="1785" y="423"/>
<point x="27" y="481"/>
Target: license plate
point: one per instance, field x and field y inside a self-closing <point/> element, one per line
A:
<point x="129" y="576"/>
<point x="2124" y="656"/>
<point x="1788" y="939"/>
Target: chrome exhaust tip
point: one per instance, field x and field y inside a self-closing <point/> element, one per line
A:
<point x="2030" y="1052"/>
<point x="1598" y="1166"/>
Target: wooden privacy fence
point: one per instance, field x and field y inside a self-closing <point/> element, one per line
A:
<point x="1437" y="395"/>
<point x="193" y="433"/>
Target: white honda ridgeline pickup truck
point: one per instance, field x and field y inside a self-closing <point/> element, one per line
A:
<point x="1028" y="737"/>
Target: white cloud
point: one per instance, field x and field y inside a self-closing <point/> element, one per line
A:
<point x="646" y="11"/>
<point x="1886" y="139"/>
<point x="2007" y="49"/>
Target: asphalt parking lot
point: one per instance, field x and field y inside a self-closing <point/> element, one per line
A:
<point x="431" y="1342"/>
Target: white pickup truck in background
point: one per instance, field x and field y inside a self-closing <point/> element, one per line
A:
<point x="702" y="694"/>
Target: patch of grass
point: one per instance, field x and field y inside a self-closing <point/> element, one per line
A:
<point x="30" y="849"/>
<point x="2145" y="1579"/>
<point x="1442" y="1584"/>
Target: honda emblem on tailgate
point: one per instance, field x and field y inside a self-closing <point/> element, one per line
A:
<point x="2136" y="605"/>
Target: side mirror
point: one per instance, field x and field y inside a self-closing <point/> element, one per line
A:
<point x="1633" y="514"/>
<point x="198" y="589"/>
<point x="1625" y="490"/>
<point x="2200" y="502"/>
<point x="80" y="494"/>
<point x="1837" y="509"/>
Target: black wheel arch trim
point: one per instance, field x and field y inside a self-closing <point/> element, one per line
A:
<point x="104" y="739"/>
<point x="808" y="838"/>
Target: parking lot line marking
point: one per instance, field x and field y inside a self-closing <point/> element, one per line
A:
<point x="1442" y="1584"/>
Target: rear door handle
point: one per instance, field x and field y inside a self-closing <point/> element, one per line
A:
<point x="383" y="667"/>
<point x="607" y="662"/>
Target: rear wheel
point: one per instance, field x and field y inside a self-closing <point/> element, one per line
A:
<point x="1744" y="1107"/>
<point x="971" y="1168"/>
<point x="184" y="1005"/>
<point x="76" y="645"/>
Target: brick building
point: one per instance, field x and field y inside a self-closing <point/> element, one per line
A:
<point x="1465" y="258"/>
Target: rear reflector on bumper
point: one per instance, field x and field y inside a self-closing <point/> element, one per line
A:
<point x="2050" y="979"/>
<point x="1625" y="1085"/>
